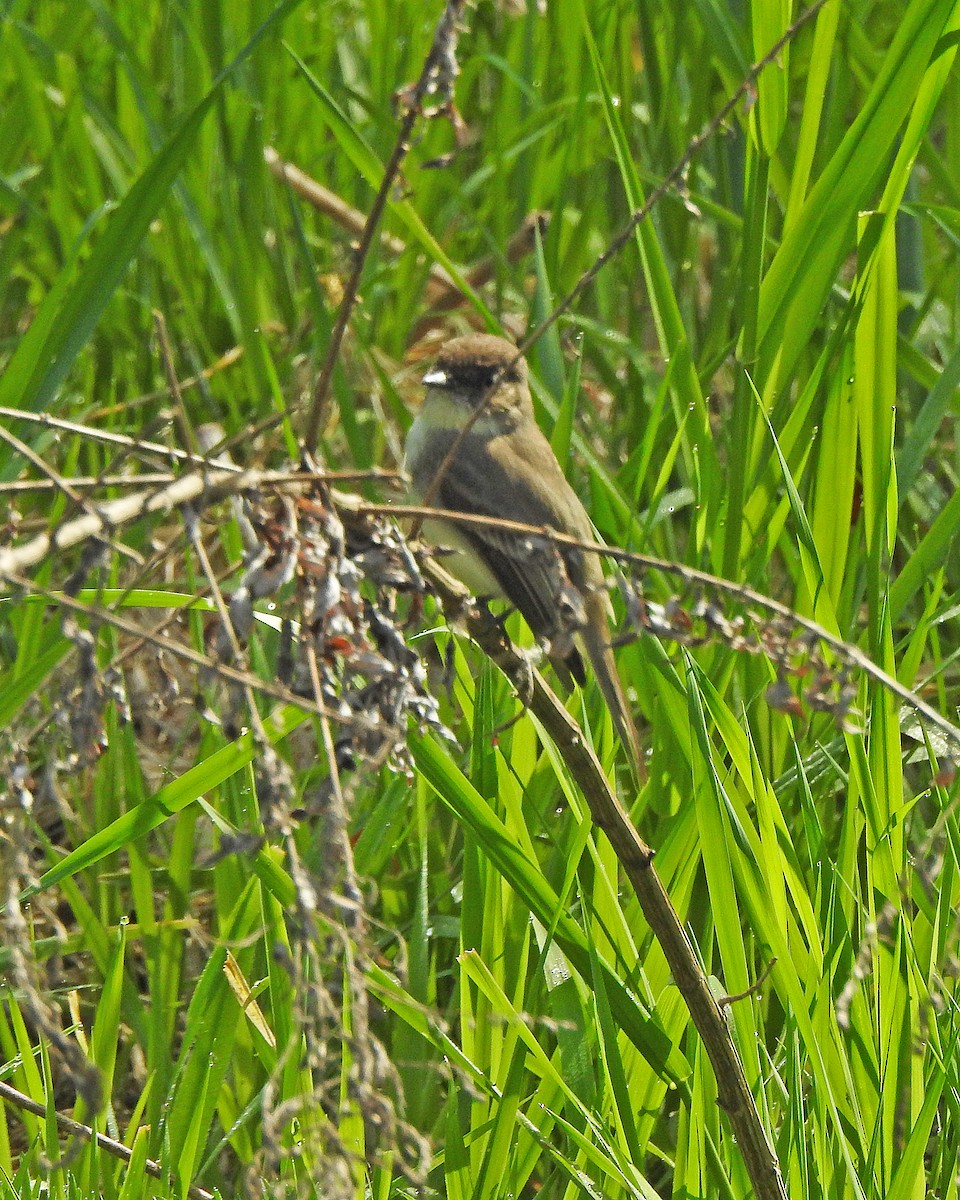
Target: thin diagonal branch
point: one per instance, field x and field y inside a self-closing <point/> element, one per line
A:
<point x="441" y="52"/>
<point x="671" y="180"/>
<point x="845" y="651"/>
<point x="74" y="1128"/>
<point x="636" y="857"/>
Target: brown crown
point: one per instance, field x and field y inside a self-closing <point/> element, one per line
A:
<point x="475" y="360"/>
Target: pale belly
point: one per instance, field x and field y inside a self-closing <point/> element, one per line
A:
<point x="463" y="561"/>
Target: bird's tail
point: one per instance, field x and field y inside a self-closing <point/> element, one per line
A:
<point x="596" y="641"/>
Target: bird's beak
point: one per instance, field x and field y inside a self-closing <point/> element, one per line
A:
<point x="436" y="378"/>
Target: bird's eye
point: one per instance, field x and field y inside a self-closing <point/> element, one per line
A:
<point x="484" y="374"/>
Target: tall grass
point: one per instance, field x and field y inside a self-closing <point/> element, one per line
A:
<point x="762" y="385"/>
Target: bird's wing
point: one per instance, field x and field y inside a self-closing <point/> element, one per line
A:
<point x="532" y="572"/>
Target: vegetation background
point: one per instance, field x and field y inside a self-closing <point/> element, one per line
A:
<point x="291" y="998"/>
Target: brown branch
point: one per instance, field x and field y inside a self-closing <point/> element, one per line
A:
<point x="87" y="482"/>
<point x="442" y="291"/>
<point x="125" y="442"/>
<point x="207" y="662"/>
<point x="520" y="245"/>
<point x="671" y="180"/>
<point x="222" y="482"/>
<point x="18" y="1100"/>
<point x="218" y="482"/>
<point x="63" y="486"/>
<point x="844" y="650"/>
<point x="752" y="990"/>
<point x="106" y="517"/>
<point x="441" y="51"/>
<point x="166" y="478"/>
<point x="227" y="359"/>
<point x="636" y="857"/>
<point x="347" y="217"/>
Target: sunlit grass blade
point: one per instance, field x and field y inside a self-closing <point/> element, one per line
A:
<point x="805" y="266"/>
<point x="168" y="801"/>
<point x="70" y="313"/>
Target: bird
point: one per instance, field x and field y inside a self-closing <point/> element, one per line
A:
<point x="505" y="467"/>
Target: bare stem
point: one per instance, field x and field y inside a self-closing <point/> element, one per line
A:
<point x="441" y="51"/>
